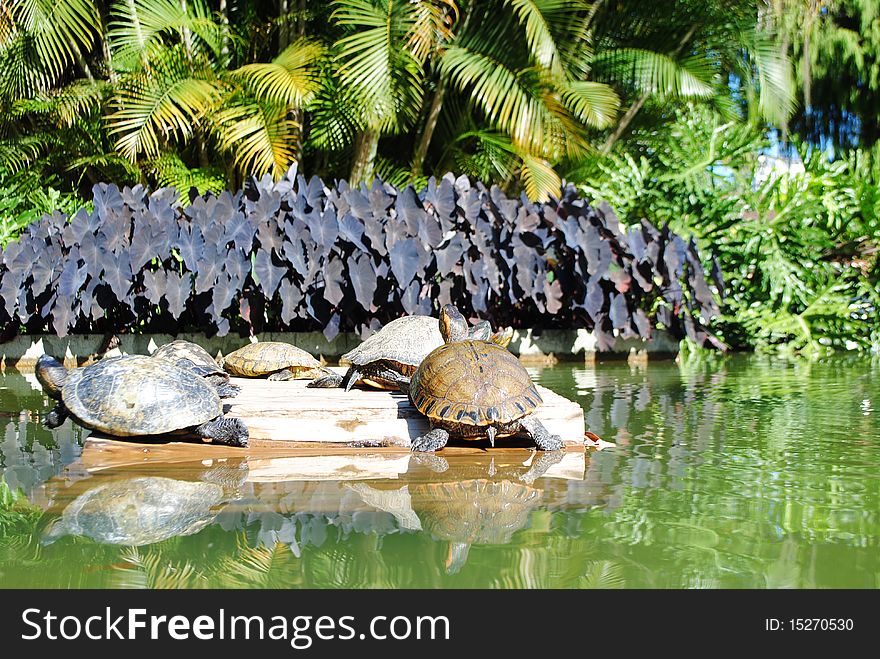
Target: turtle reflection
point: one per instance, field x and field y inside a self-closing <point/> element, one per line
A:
<point x="139" y="511"/>
<point x="474" y="512"/>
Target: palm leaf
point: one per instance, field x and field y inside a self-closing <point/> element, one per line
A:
<point x="259" y="135"/>
<point x="152" y="108"/>
<point x="291" y="78"/>
<point x="657" y="73"/>
<point x="386" y="79"/>
<point x="540" y="179"/>
<point x="138" y="25"/>
<point x="594" y="103"/>
<point x="57" y="30"/>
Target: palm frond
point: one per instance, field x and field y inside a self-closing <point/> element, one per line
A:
<point x="259" y="135"/>
<point x="137" y="26"/>
<point x="594" y="103"/>
<point x="57" y="30"/>
<point x="387" y="79"/>
<point x="540" y="179"/>
<point x="291" y="78"/>
<point x="153" y="107"/>
<point x="656" y="73"/>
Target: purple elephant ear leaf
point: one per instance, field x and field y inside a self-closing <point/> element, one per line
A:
<point x="331" y="329"/>
<point x="177" y="292"/>
<point x="352" y="230"/>
<point x="363" y="279"/>
<point x="375" y="231"/>
<point x="240" y="232"/>
<point x="405" y="261"/>
<point x="192" y="246"/>
<point x="333" y="282"/>
<point x="553" y="292"/>
<point x="619" y="313"/>
<point x="410" y="210"/>
<point x="206" y="275"/>
<point x="268" y="274"/>
<point x="117" y="273"/>
<point x="291" y="296"/>
<point x="223" y="293"/>
<point x="155" y="285"/>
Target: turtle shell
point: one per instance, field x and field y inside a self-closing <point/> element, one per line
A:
<point x="139" y="511"/>
<point x="181" y="349"/>
<point x="139" y="395"/>
<point x="267" y="357"/>
<point x="405" y="341"/>
<point x="473" y="383"/>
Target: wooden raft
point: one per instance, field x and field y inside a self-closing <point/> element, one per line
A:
<point x="287" y="417"/>
<point x="291" y="412"/>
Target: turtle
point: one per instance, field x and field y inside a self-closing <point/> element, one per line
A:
<point x="397" y="350"/>
<point x="194" y="357"/>
<point x="138" y="511"/>
<point x="280" y="361"/>
<point x="471" y="389"/>
<point x="137" y="395"/>
<point x="473" y="512"/>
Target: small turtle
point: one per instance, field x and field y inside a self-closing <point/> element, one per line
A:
<point x="473" y="512"/>
<point x="473" y="389"/>
<point x="137" y="395"/>
<point x="280" y="361"/>
<point x="194" y="357"/>
<point x="397" y="350"/>
<point x="138" y="511"/>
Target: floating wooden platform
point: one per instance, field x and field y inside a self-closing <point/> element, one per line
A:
<point x="291" y="412"/>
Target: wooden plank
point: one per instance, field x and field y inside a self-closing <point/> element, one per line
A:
<point x="289" y="411"/>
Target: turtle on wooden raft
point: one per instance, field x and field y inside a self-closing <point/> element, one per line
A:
<point x="397" y="350"/>
<point x="277" y="360"/>
<point x="472" y="389"/>
<point x="194" y="357"/>
<point x="138" y="511"/>
<point x="136" y="395"/>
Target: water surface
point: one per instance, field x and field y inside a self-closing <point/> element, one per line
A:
<point x="745" y="472"/>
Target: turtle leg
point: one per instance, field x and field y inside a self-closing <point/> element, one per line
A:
<point x="431" y="441"/>
<point x="284" y="374"/>
<point x="56" y="416"/>
<point x="231" y="432"/>
<point x="227" y="390"/>
<point x="330" y="381"/>
<point x="400" y="380"/>
<point x="543" y="439"/>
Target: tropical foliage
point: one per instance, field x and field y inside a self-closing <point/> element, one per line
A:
<point x="298" y="255"/>
<point x="798" y="247"/>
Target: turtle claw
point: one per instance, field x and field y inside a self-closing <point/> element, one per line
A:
<point x="230" y="432"/>
<point x="431" y="441"/>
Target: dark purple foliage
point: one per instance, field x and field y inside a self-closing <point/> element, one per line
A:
<point x="296" y="255"/>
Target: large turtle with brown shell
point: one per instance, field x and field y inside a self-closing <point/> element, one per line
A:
<point x="397" y="350"/>
<point x="194" y="357"/>
<point x="275" y="361"/>
<point x="471" y="389"/>
<point x="136" y="395"/>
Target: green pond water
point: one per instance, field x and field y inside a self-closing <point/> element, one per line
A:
<point x="743" y="472"/>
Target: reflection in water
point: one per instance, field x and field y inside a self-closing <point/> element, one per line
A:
<point x="138" y="511"/>
<point x="743" y="472"/>
<point x="477" y="512"/>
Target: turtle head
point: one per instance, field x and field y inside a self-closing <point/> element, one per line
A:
<point x="56" y="529"/>
<point x="453" y="326"/>
<point x="51" y="374"/>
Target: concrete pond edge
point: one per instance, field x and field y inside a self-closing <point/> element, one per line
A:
<point x="532" y="346"/>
